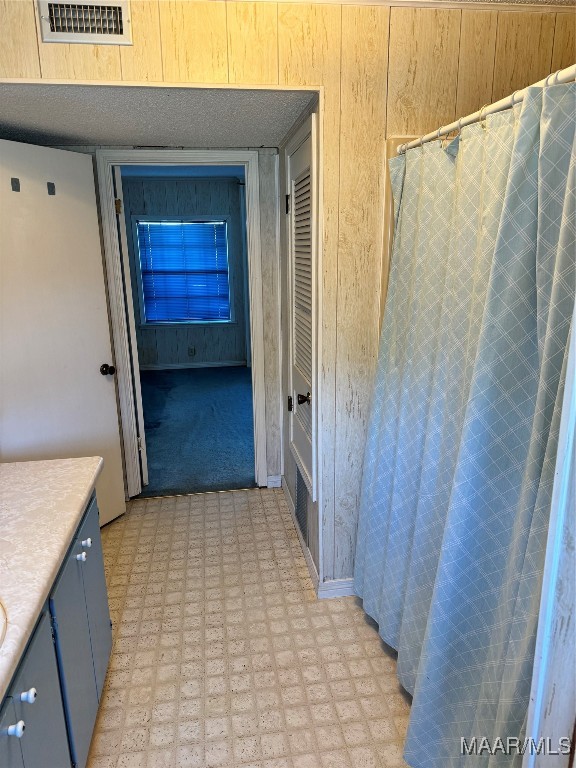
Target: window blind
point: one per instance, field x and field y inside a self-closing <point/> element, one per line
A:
<point x="184" y="268"/>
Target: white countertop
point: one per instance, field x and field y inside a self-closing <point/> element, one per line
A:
<point x="41" y="505"/>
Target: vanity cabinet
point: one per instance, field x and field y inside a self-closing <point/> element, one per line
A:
<point x="57" y="687"/>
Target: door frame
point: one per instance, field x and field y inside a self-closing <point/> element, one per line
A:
<point x="106" y="160"/>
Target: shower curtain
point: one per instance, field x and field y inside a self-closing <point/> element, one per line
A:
<point x="462" y="437"/>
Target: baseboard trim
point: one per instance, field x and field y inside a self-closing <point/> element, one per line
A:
<point x="305" y="551"/>
<point x="274" y="481"/>
<point x="336" y="588"/>
<point x="176" y="366"/>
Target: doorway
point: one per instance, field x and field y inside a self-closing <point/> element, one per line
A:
<point x="197" y="419"/>
<point x="185" y="235"/>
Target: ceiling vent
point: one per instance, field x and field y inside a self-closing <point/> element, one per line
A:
<point x="85" y="22"/>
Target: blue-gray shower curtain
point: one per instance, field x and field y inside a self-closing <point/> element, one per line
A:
<point x="462" y="437"/>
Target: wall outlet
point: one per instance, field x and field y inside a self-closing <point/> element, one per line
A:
<point x="191" y="351"/>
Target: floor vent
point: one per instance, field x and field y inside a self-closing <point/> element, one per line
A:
<point x="85" y="22"/>
<point x="302" y="505"/>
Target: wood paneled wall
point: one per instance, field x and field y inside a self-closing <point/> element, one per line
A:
<point x="170" y="346"/>
<point x="384" y="71"/>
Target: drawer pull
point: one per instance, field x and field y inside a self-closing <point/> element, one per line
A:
<point x="81" y="557"/>
<point x="17" y="729"/>
<point x="29" y="696"/>
<point x="87" y="543"/>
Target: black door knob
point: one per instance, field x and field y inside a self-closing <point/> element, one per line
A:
<point x="107" y="370"/>
<point x="304" y="398"/>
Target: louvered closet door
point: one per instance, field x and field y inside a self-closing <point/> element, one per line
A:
<point x="303" y="306"/>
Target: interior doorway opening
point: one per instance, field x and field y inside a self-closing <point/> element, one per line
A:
<point x="187" y="270"/>
<point x="156" y="205"/>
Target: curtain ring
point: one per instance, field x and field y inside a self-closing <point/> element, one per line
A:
<point x="514" y="98"/>
<point x="481" y="119"/>
<point x="556" y="78"/>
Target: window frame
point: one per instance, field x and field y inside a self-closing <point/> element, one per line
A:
<point x="142" y="322"/>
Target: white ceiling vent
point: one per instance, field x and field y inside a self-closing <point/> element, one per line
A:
<point x="85" y="22"/>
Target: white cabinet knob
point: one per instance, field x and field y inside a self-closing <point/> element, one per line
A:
<point x="29" y="696"/>
<point x="81" y="557"/>
<point x="87" y="543"/>
<point x="17" y="729"/>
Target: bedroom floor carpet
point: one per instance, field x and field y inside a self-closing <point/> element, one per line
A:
<point x="199" y="430"/>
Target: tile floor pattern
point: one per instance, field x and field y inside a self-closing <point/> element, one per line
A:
<point x="224" y="657"/>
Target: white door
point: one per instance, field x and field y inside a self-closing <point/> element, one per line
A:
<point x="54" y="335"/>
<point x="303" y="342"/>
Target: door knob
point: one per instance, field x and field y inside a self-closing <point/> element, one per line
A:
<point x="29" y="696"/>
<point x="17" y="729"/>
<point x="107" y="370"/>
<point x="304" y="398"/>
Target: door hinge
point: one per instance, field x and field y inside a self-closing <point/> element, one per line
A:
<point x="139" y="443"/>
<point x="290" y="403"/>
<point x="287" y="203"/>
<point x="118" y="204"/>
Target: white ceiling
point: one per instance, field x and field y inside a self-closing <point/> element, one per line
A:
<point x="87" y="115"/>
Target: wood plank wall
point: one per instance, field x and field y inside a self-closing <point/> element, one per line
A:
<point x="384" y="71"/>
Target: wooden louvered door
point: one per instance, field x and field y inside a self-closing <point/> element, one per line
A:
<point x="302" y="229"/>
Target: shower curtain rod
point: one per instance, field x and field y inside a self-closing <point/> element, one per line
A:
<point x="561" y="77"/>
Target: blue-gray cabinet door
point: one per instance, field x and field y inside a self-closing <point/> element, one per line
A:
<point x="68" y="608"/>
<point x="96" y="594"/>
<point x="45" y="741"/>
<point x="10" y="751"/>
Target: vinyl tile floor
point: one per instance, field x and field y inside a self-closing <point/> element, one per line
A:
<point x="224" y="658"/>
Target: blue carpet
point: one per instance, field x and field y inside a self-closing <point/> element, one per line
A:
<point x="199" y="430"/>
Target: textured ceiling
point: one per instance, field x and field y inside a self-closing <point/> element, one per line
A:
<point x="153" y="117"/>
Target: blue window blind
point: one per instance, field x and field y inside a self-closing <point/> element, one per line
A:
<point x="184" y="267"/>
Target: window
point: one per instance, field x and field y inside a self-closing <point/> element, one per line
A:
<point x="183" y="271"/>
